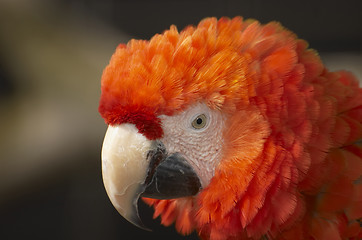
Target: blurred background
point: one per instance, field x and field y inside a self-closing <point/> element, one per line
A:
<point x="52" y="53"/>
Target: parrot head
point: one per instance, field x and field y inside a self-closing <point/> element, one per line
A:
<point x="209" y="125"/>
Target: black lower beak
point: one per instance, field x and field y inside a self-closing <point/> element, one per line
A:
<point x="169" y="176"/>
<point x="134" y="166"/>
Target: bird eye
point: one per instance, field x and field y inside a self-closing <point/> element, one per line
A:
<point x="199" y="122"/>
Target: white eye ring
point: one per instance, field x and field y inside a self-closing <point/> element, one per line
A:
<point x="199" y="122"/>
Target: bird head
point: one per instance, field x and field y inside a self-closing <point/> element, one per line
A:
<point x="194" y="118"/>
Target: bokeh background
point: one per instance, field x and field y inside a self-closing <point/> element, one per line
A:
<point x="52" y="53"/>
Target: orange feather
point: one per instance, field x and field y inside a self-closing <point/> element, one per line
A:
<point x="291" y="167"/>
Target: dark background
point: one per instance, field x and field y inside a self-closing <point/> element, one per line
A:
<point x="327" y="25"/>
<point x="51" y="58"/>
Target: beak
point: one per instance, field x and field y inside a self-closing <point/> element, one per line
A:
<point x="134" y="166"/>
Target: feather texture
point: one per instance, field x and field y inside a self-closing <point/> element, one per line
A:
<point x="291" y="166"/>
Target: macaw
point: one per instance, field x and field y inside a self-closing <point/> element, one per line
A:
<point x="233" y="129"/>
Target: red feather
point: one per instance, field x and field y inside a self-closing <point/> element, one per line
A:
<point x="291" y="167"/>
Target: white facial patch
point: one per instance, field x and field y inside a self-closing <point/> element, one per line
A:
<point x="199" y="142"/>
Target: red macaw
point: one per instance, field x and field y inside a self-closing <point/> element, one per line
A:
<point x="236" y="130"/>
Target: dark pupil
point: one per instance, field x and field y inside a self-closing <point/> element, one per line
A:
<point x="199" y="121"/>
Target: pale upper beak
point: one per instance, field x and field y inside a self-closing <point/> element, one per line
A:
<point x="134" y="166"/>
